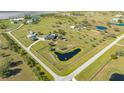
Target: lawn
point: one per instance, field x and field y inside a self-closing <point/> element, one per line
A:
<point x="26" y="72"/>
<point x="103" y="67"/>
<point x="8" y="24"/>
<point x="88" y="39"/>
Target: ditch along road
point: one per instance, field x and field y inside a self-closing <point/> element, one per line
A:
<point x="75" y="72"/>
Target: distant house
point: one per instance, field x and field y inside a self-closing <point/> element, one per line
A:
<point x="29" y="21"/>
<point x="118" y="15"/>
<point x="51" y="36"/>
<point x="76" y="14"/>
<point x="16" y="20"/>
<point x="32" y="35"/>
<point x="115" y="20"/>
<point x="33" y="19"/>
<point x="66" y="14"/>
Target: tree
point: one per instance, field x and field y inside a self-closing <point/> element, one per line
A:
<point x="114" y="56"/>
<point x="35" y="19"/>
<point x="22" y="52"/>
<point x="93" y="45"/>
<point x="31" y="62"/>
<point x="120" y="53"/>
<point x="120" y="21"/>
<point x="4" y="69"/>
<point x="27" y="16"/>
<point x="3" y="26"/>
<point x="62" y="32"/>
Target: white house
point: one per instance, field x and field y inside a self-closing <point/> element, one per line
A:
<point x="16" y="20"/>
<point x="115" y="20"/>
<point x="32" y="35"/>
<point x="118" y="15"/>
<point x="29" y="21"/>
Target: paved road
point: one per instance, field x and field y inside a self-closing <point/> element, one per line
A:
<point x="37" y="59"/>
<point x="39" y="39"/>
<point x="91" y="60"/>
<point x="17" y="28"/>
<point x="75" y="72"/>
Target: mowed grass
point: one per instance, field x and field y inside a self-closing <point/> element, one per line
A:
<point x="108" y="69"/>
<point x="114" y="66"/>
<point x="8" y="24"/>
<point x="45" y="26"/>
<point x="60" y="67"/>
<point x="26" y="73"/>
<point x="84" y="39"/>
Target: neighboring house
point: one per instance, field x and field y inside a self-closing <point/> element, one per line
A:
<point x="34" y="19"/>
<point x="29" y="21"/>
<point x="65" y="14"/>
<point x="115" y="20"/>
<point x="76" y="14"/>
<point x="51" y="36"/>
<point x="32" y="35"/>
<point x="119" y="15"/>
<point x="16" y="20"/>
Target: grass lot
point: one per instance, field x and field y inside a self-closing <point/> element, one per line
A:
<point x="8" y="24"/>
<point x="103" y="67"/>
<point x="88" y="39"/>
<point x="60" y="67"/>
<point x="26" y="73"/>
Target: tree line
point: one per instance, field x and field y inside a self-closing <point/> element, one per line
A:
<point x="36" y="68"/>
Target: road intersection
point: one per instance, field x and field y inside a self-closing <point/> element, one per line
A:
<point x="75" y="72"/>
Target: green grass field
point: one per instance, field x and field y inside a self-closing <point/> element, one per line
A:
<point x="103" y="67"/>
<point x="8" y="24"/>
<point x="88" y="39"/>
<point x="26" y="73"/>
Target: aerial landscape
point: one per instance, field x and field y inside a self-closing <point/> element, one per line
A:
<point x="62" y="46"/>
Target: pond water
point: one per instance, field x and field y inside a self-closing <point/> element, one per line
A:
<point x="67" y="56"/>
<point x="117" y="77"/>
<point x="122" y="24"/>
<point x="101" y="28"/>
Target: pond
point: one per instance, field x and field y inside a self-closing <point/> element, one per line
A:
<point x="67" y="56"/>
<point x="101" y="28"/>
<point x="117" y="77"/>
<point x="121" y="24"/>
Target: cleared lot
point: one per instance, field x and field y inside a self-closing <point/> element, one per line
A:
<point x="104" y="67"/>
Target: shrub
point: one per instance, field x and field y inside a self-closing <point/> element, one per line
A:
<point x="114" y="56"/>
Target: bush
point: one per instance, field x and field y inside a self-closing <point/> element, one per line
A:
<point x="3" y="26"/>
<point x="11" y="44"/>
<point x="93" y="45"/>
<point x="35" y="68"/>
<point x="61" y="32"/>
<point x="4" y="69"/>
<point x="114" y="56"/>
